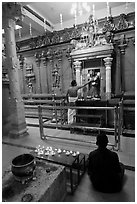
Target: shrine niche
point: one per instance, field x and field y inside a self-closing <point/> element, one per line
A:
<point x="94" y="45"/>
<point x="56" y="78"/>
<point x="30" y="77"/>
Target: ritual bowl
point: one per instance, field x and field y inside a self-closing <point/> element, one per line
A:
<point x="23" y="165"/>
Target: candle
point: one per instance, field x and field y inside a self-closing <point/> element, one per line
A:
<point x="126" y="8"/>
<point x="61" y="20"/>
<point x="75" y="17"/>
<point x="107" y="9"/>
<point x="45" y="28"/>
<point x="30" y="29"/>
<point x="93" y="12"/>
<point x="19" y="33"/>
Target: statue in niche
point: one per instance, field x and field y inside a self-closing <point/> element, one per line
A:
<point x="91" y="36"/>
<point x="56" y="77"/>
<point x="91" y="31"/>
<point x="109" y="37"/>
<point x="94" y="85"/>
<point x="30" y="76"/>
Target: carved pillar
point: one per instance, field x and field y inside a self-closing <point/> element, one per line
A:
<point x="77" y="65"/>
<point x="44" y="59"/>
<point x="61" y="74"/>
<point x="118" y="82"/>
<point x="58" y="71"/>
<point x="50" y="66"/>
<point x="22" y="62"/>
<point x="11" y="12"/>
<point x="122" y="46"/>
<point x="38" y="61"/>
<point x="108" y="62"/>
<point x="67" y="54"/>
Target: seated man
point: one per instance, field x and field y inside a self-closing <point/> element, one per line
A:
<point x="104" y="169"/>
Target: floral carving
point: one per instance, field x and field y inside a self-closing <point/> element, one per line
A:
<point x="85" y="35"/>
<point x="32" y="43"/>
<point x="55" y="38"/>
<point x="109" y="26"/>
<point x="58" y="53"/>
<point x="75" y="33"/>
<point x="108" y="29"/>
<point x="122" y="24"/>
<point x="49" y="54"/>
<point x="66" y="35"/>
<point x="39" y="42"/>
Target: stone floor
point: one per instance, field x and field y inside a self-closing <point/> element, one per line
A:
<point x="85" y="191"/>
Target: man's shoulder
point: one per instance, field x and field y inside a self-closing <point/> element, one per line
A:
<point x="94" y="152"/>
<point x="112" y="153"/>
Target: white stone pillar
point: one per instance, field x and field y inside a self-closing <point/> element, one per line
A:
<point x="18" y="123"/>
<point x="108" y="63"/>
<point x="77" y="65"/>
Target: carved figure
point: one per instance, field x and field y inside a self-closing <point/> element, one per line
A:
<point x="56" y="77"/>
<point x="94" y="86"/>
<point x="109" y="36"/>
<point x="76" y="44"/>
<point x="91" y="36"/>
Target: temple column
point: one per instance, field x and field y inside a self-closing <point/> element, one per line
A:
<point x="122" y="46"/>
<point x="38" y="61"/>
<point x="118" y="78"/>
<point x="77" y="65"/>
<point x="12" y="11"/>
<point x="108" y="63"/>
<point x="44" y="59"/>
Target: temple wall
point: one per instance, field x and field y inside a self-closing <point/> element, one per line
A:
<point x="43" y="69"/>
<point x="43" y="72"/>
<point x="44" y="53"/>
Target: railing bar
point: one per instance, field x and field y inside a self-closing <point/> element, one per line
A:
<point x="73" y="139"/>
<point x="80" y="107"/>
<point x="69" y="126"/>
<point x="31" y="107"/>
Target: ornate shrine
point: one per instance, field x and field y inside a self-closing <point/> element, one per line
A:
<point x="93" y="46"/>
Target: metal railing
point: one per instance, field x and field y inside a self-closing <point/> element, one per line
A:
<point x="117" y="121"/>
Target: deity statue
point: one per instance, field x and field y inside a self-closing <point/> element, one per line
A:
<point x="91" y="36"/>
<point x="56" y="77"/>
<point x="91" y="30"/>
<point x="94" y="86"/>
